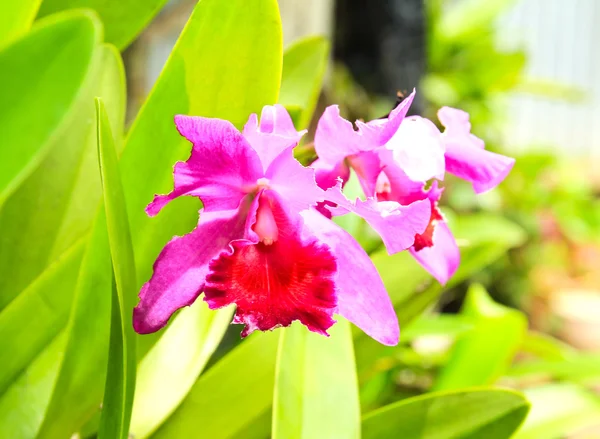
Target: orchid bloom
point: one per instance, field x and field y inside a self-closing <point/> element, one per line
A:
<point x="261" y="245"/>
<point x="394" y="158"/>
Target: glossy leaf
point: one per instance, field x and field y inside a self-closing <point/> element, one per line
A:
<point x="233" y="399"/>
<point x="78" y="390"/>
<point x="123" y="20"/>
<point x="16" y="18"/>
<point x="171" y="368"/>
<point x="120" y="379"/>
<point x="304" y="64"/>
<point x="316" y="389"/>
<point x="466" y="414"/>
<point x="483" y="354"/>
<point x="23" y="338"/>
<point x="55" y="72"/>
<point x="22" y="406"/>
<point x="557" y="410"/>
<point x="46" y="70"/>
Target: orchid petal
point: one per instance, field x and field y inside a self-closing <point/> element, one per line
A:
<point x="294" y="183"/>
<point x="220" y="169"/>
<point x="396" y="118"/>
<point x="275" y="133"/>
<point x="327" y="175"/>
<point x="362" y="297"/>
<point x="441" y="259"/>
<point x="367" y="167"/>
<point x="465" y="154"/>
<point x="396" y="224"/>
<point x="181" y="268"/>
<point x="418" y="149"/>
<point x="336" y="139"/>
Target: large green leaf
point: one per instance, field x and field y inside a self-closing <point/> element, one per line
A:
<point x="123" y="19"/>
<point x="46" y="70"/>
<point x="304" y="64"/>
<point x="466" y="414"/>
<point x="171" y="368"/>
<point x="78" y="390"/>
<point x="122" y="363"/>
<point x="233" y="398"/>
<point x="557" y="410"/>
<point x="316" y="389"/>
<point x="54" y="147"/>
<point x="22" y="337"/>
<point x="16" y="18"/>
<point x="484" y="353"/>
<point x="22" y="406"/>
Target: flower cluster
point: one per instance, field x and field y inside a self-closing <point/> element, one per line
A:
<point x="265" y="240"/>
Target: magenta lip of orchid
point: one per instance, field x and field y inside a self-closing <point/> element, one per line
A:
<point x="262" y="242"/>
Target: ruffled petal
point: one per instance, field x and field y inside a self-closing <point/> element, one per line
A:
<point x="443" y="257"/>
<point x="396" y="224"/>
<point x="220" y="169"/>
<point x="275" y="133"/>
<point x="465" y="154"/>
<point x="336" y="139"/>
<point x="294" y="183"/>
<point x="327" y="175"/>
<point x="275" y="283"/>
<point x="362" y="297"/>
<point x="182" y="266"/>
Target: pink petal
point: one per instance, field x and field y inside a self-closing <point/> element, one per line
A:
<point x="336" y="139"/>
<point x="293" y="182"/>
<point x="417" y="147"/>
<point x="327" y="175"/>
<point x="275" y="133"/>
<point x="395" y="119"/>
<point x="181" y="268"/>
<point x="465" y="154"/>
<point x="396" y="224"/>
<point x="362" y="297"/>
<point x="275" y="283"/>
<point x="441" y="259"/>
<point x="367" y="167"/>
<point x="221" y="167"/>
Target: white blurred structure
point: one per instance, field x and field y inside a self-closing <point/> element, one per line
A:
<point x="562" y="42"/>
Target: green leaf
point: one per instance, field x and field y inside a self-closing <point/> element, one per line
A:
<point x="22" y="406"/>
<point x="23" y="338"/>
<point x="465" y="414"/>
<point x="47" y="71"/>
<point x="483" y="354"/>
<point x="316" y="390"/>
<point x="123" y="19"/>
<point x="304" y="64"/>
<point x="120" y="379"/>
<point x="226" y="64"/>
<point x="557" y="410"/>
<point x="78" y="390"/>
<point x="16" y="18"/>
<point x="442" y="324"/>
<point x="233" y="399"/>
<point x="546" y="347"/>
<point x="170" y="369"/>
<point x="49" y="208"/>
<point x="575" y="367"/>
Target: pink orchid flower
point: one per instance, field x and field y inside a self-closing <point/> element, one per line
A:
<point x="395" y="157"/>
<point x="261" y="245"/>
